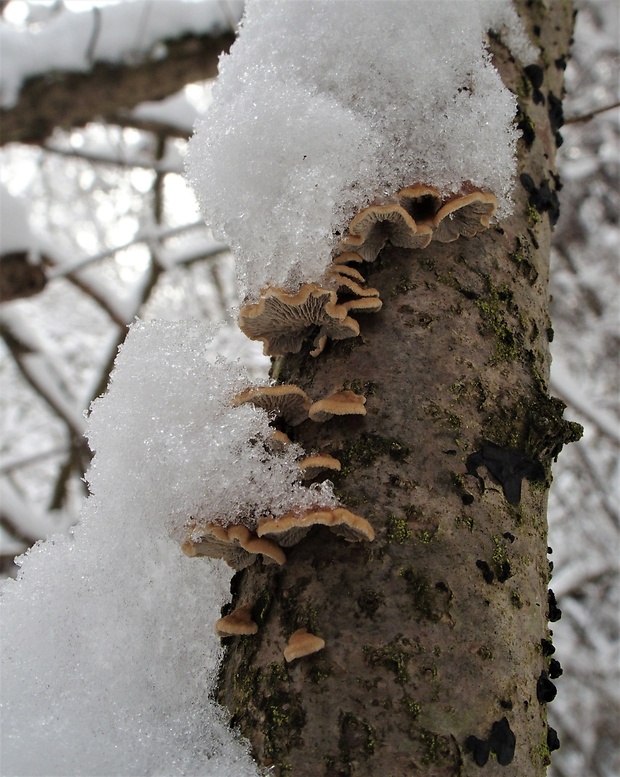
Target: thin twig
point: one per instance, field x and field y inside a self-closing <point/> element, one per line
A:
<point x="591" y="114"/>
<point x="141" y="237"/>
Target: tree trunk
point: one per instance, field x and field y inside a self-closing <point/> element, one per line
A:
<point x="437" y="642"/>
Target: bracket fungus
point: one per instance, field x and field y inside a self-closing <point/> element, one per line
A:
<point x="288" y="401"/>
<point x="238" y="622"/>
<point x="301" y="644"/>
<point x="340" y="403"/>
<point x="236" y="544"/>
<point x="291" y="528"/>
<point x="371" y="228"/>
<point x="282" y="320"/>
<point x="312" y="466"/>
<point x="464" y="215"/>
<point x="421" y="202"/>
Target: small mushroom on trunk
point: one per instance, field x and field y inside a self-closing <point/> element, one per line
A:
<point x="465" y="215"/>
<point x="282" y="321"/>
<point x="291" y="528"/>
<point x="339" y="403"/>
<point x="238" y="622"/>
<point x="312" y="466"/>
<point x="288" y="401"/>
<point x="301" y="644"/>
<point x="236" y="544"/>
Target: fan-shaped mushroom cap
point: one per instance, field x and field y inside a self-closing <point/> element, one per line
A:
<point x="301" y="644"/>
<point x="312" y="466"/>
<point x="364" y="304"/>
<point x="282" y="320"/>
<point x="344" y="281"/>
<point x="291" y="528"/>
<point x="420" y="201"/>
<point x="465" y="215"/>
<point x="339" y="403"/>
<point x="289" y="401"/>
<point x="239" y="621"/>
<point x="344" y="269"/>
<point x="393" y="222"/>
<point x="236" y="544"/>
<point x="279" y="440"/>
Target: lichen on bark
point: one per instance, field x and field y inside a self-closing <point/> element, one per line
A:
<point x="435" y="631"/>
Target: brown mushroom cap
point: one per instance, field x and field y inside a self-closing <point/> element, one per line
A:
<point x="288" y="401"/>
<point x="339" y="403"/>
<point x="312" y="466"/>
<point x="364" y="304"/>
<point x="236" y="544"/>
<point x="289" y="529"/>
<point x="393" y="222"/>
<point x="301" y="644"/>
<point x="238" y="622"/>
<point x="464" y="215"/>
<point x="282" y="320"/>
<point x="278" y="441"/>
<point x="421" y="202"/>
<point x="350" y="284"/>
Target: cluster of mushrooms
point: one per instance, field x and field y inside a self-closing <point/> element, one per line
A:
<point x="410" y="219"/>
<point x="282" y="321"/>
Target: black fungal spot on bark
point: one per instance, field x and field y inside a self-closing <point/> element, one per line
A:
<point x="487" y="573"/>
<point x="467" y="499"/>
<point x="553" y="741"/>
<point x="508" y="536"/>
<point x="504" y="572"/>
<point x="479" y="749"/>
<point x="542" y="198"/>
<point x="502" y="742"/>
<point x="555" y="669"/>
<point x="545" y="689"/>
<point x="556" y="117"/>
<point x="536" y="74"/>
<point x="555" y="613"/>
<point x="507" y="467"/>
<point x="547" y="648"/>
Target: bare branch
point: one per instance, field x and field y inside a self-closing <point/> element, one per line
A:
<point x="73" y="99"/>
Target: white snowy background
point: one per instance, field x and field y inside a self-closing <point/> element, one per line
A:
<point x="109" y="209"/>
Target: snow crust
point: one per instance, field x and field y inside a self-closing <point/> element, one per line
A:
<point x="112" y="652"/>
<point x="314" y="117"/>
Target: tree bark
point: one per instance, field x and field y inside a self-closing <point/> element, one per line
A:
<point x="437" y="638"/>
<point x="67" y="100"/>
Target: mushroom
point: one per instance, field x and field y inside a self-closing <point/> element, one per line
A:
<point x="339" y="403"/>
<point x="464" y="215"/>
<point x="291" y="528"/>
<point x="238" y="622"/>
<point x="389" y="221"/>
<point x="301" y="644"/>
<point x="312" y="466"/>
<point x="344" y="281"/>
<point x="364" y="304"/>
<point x="236" y="544"/>
<point x="421" y="202"/>
<point x="278" y="441"/>
<point x="283" y="320"/>
<point x="288" y="401"/>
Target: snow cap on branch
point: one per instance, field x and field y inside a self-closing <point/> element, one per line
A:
<point x="322" y="108"/>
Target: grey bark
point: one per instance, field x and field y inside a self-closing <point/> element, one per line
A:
<point x="437" y="636"/>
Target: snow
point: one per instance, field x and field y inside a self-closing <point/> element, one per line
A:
<point x="111" y="671"/>
<point x="114" y="32"/>
<point x="314" y="117"/>
<point x="169" y="408"/>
